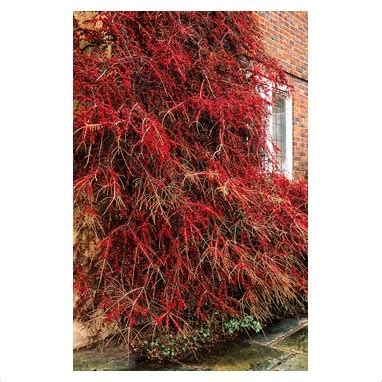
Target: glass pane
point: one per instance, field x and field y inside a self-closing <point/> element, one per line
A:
<point x="279" y="127"/>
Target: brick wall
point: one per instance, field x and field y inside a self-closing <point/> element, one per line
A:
<point x="285" y="37"/>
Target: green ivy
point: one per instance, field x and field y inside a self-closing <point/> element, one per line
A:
<point x="237" y="324"/>
<point x="175" y="346"/>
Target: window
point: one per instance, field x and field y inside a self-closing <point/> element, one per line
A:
<point x="280" y="121"/>
<point x="280" y="124"/>
<point x="282" y="130"/>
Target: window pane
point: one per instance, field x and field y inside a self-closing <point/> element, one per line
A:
<point x="279" y="127"/>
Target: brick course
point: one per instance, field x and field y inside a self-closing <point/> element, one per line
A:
<point x="285" y="37"/>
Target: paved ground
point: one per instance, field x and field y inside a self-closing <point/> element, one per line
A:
<point x="282" y="346"/>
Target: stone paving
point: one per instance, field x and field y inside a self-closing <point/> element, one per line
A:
<point x="282" y="346"/>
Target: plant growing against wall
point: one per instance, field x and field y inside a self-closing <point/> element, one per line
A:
<point x="183" y="224"/>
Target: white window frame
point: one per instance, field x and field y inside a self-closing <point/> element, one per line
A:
<point x="287" y="167"/>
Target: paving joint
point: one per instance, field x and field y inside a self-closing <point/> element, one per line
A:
<point x="289" y="350"/>
<point x="287" y="334"/>
<point x="280" y="362"/>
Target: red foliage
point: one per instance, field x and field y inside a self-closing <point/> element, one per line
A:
<point x="170" y="143"/>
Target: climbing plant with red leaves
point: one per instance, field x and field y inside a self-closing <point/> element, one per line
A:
<point x="182" y="219"/>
